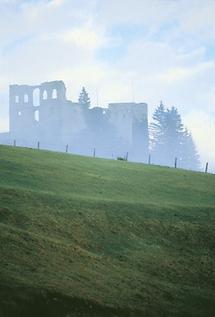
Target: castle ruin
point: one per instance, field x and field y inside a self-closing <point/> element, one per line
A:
<point x="43" y="113"/>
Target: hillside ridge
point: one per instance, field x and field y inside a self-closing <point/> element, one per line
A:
<point x="85" y="236"/>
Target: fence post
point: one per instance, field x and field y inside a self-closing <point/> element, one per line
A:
<point x="149" y="160"/>
<point x="67" y="146"/>
<point x="94" y="152"/>
<point x="176" y="162"/>
<point x="206" y="168"/>
<point x="14" y="142"/>
<point x="38" y="145"/>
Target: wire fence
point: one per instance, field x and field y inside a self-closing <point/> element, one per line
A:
<point x="94" y="153"/>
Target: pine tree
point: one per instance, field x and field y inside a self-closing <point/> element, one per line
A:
<point x="173" y="135"/>
<point x="190" y="157"/>
<point x="84" y="99"/>
<point x="157" y="131"/>
<point x="158" y="124"/>
<point x="170" y="140"/>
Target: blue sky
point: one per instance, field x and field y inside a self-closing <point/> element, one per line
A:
<point x="150" y="50"/>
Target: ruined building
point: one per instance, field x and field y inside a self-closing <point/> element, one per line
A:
<point x="43" y="113"/>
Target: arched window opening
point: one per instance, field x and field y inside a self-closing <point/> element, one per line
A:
<point x="26" y="99"/>
<point x="19" y="113"/>
<point x="36" y="97"/>
<point x="45" y="95"/>
<point x="37" y="115"/>
<point x="54" y="94"/>
<point x="16" y="99"/>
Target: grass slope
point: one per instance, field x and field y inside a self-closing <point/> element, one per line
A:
<point x="90" y="237"/>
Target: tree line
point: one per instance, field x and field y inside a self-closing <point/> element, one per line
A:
<point x="169" y="139"/>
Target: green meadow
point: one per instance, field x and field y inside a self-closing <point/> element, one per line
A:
<point x="83" y="236"/>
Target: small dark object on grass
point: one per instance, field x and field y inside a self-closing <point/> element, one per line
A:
<point x="119" y="158"/>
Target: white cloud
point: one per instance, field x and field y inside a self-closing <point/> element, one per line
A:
<point x="84" y="37"/>
<point x="199" y="19"/>
<point x="56" y="3"/>
<point x="167" y="59"/>
<point x="185" y="73"/>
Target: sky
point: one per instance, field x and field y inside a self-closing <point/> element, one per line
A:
<point x="120" y="50"/>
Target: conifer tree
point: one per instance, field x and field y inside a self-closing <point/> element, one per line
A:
<point x="190" y="157"/>
<point x="169" y="139"/>
<point x="84" y="98"/>
<point x="173" y="135"/>
<point x="158" y="124"/>
<point x="157" y="134"/>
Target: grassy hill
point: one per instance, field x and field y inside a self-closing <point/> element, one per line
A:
<point x="91" y="237"/>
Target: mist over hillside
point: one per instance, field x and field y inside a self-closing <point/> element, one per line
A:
<point x="107" y="158"/>
<point x="149" y="52"/>
<point x="41" y="116"/>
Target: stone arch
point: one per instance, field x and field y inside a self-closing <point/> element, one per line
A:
<point x="45" y="95"/>
<point x="54" y="94"/>
<point x="36" y="97"/>
<point x="26" y="98"/>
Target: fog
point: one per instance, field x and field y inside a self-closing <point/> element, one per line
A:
<point x="42" y="117"/>
<point x="150" y="51"/>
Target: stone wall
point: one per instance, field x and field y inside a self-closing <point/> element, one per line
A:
<point x="43" y="113"/>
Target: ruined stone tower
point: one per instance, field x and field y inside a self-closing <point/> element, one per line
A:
<point x="43" y="113"/>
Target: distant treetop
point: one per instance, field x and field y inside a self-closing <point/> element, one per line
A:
<point x="84" y="98"/>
